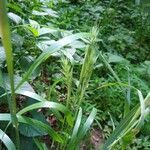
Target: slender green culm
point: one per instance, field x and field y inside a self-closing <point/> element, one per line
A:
<point x="6" y="40"/>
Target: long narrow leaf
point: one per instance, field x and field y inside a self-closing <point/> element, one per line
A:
<point x="142" y="106"/>
<point x="123" y="124"/>
<point x="82" y="132"/>
<point x="88" y="123"/>
<point x="47" y="104"/>
<point x="128" y="123"/>
<point x="31" y="95"/>
<point x="7" y="141"/>
<point x="77" y="124"/>
<point x="44" y="104"/>
<point x="75" y="129"/>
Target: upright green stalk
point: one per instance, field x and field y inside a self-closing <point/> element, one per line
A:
<point x="6" y="40"/>
<point x="87" y="67"/>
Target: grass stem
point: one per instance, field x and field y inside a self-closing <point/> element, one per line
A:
<point x="6" y="40"/>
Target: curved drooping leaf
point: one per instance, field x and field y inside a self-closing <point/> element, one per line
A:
<point x="7" y="141"/>
<point x="131" y="121"/>
<point x="30" y="95"/>
<point x="44" y="104"/>
<point x="123" y="124"/>
<point x="25" y="93"/>
<point x="50" y="12"/>
<point x="52" y="105"/>
<point x="52" y="49"/>
<point x="32" y="122"/>
<point x="57" y="108"/>
<point x="37" y="97"/>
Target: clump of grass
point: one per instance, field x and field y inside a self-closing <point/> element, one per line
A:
<point x="79" y="130"/>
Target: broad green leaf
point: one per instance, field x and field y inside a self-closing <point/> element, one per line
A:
<point x="45" y="12"/>
<point x="34" y="24"/>
<point x="77" y="44"/>
<point x="39" y="13"/>
<point x="17" y="19"/>
<point x="17" y="41"/>
<point x="69" y="52"/>
<point x="41" y="126"/>
<point x="32" y="122"/>
<point x="50" y="12"/>
<point x="34" y="27"/>
<point x="46" y="30"/>
<point x="115" y="58"/>
<point x="33" y="30"/>
<point x="7" y="141"/>
<point x="26" y="62"/>
<point x="15" y="7"/>
<point x="30" y="131"/>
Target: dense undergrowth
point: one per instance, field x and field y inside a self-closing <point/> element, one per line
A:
<point x="75" y="74"/>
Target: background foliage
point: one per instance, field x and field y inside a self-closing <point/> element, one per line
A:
<point x="81" y="69"/>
